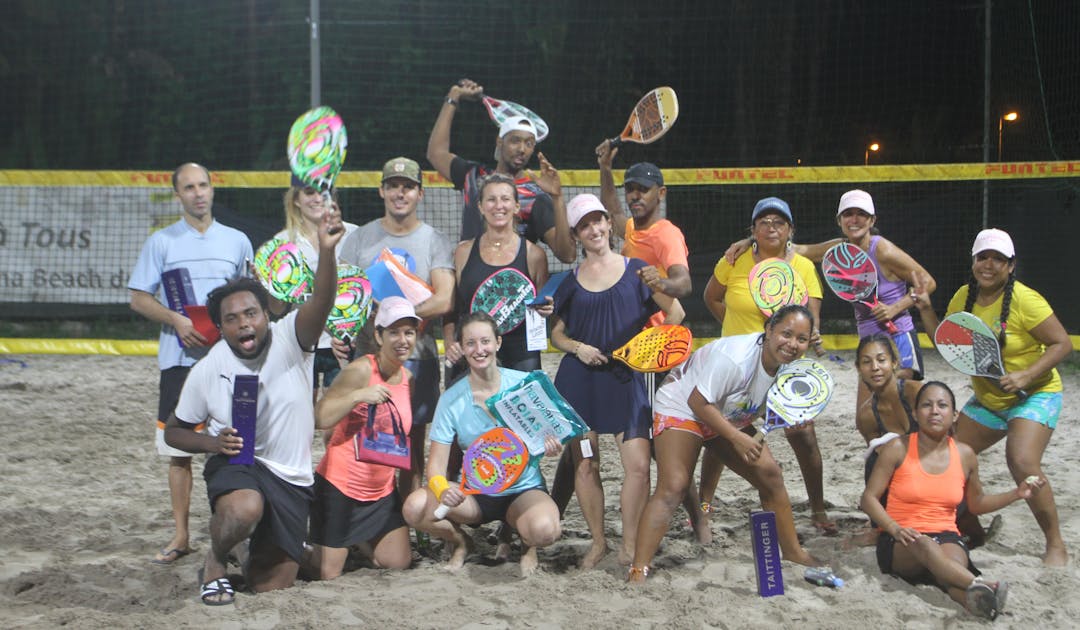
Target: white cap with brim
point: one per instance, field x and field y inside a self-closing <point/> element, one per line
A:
<point x="859" y="199"/>
<point x="582" y="205"/>
<point x="996" y="240"/>
<point x="392" y="309"/>
<point x="517" y="123"/>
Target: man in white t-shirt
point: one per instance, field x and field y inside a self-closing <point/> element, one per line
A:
<point x="267" y="500"/>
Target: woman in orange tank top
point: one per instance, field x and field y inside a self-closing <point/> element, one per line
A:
<point x="926" y="476"/>
<point x="355" y="501"/>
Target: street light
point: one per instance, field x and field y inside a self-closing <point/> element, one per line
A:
<point x="1011" y="117"/>
<point x="874" y="147"/>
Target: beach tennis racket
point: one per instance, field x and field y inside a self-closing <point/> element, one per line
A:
<point x="969" y="346"/>
<point x="652" y="117"/>
<point x="491" y="464"/>
<point x="282" y="270"/>
<point x="774" y="284"/>
<point x="352" y="306"/>
<point x="656" y="349"/>
<point x="499" y="111"/>
<point x="316" y="149"/>
<point x="800" y="393"/>
<point x="852" y="276"/>
<point x="504" y="295"/>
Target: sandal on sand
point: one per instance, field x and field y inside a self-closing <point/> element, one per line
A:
<point x="220" y="588"/>
<point x="986" y="599"/>
<point x="169" y="556"/>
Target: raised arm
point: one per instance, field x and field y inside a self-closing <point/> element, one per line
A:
<point x="311" y="318"/>
<point x="898" y="263"/>
<point x="609" y="196"/>
<point x="438" y="149"/>
<point x="557" y="238"/>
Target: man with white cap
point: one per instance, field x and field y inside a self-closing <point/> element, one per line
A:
<point x="541" y="217"/>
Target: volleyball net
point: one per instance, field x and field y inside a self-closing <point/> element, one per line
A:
<point x="69" y="239"/>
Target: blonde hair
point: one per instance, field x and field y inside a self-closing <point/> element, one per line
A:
<point x="294" y="219"/>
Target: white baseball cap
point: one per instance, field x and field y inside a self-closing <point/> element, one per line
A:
<point x="996" y="240"/>
<point x="517" y="123"/>
<point x="856" y="199"/>
<point x="392" y="309"/>
<point x="580" y="206"/>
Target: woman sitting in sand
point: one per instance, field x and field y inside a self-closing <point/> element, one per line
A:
<point x="926" y="475"/>
<point x="461" y="415"/>
<point x="888" y="415"/>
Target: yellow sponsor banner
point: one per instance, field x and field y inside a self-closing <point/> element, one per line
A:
<point x="590" y="177"/>
<point x="149" y="348"/>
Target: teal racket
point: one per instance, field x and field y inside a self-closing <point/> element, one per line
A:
<point x="504" y="295"/>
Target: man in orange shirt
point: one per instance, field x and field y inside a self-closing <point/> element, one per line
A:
<point x="646" y="234"/>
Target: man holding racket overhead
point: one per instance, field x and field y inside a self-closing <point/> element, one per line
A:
<point x="211" y="254"/>
<point x="647" y="235"/>
<point x="541" y="217"/>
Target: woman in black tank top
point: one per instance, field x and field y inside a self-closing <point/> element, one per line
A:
<point x="499" y="248"/>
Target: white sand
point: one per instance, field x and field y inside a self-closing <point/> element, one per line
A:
<point x="85" y="505"/>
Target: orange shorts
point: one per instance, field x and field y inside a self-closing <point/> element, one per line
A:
<point x="661" y="422"/>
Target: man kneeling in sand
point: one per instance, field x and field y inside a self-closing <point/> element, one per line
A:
<point x="268" y="366"/>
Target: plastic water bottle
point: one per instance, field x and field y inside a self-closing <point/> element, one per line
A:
<point x="823" y="576"/>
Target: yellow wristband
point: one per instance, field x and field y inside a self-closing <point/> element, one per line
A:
<point x="438" y="485"/>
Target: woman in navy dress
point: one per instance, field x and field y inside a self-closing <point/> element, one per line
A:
<point x="600" y="307"/>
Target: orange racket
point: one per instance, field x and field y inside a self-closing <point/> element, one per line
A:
<point x="491" y="464"/>
<point x="656" y="349"/>
<point x="651" y="118"/>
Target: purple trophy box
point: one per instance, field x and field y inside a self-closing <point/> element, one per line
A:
<point x="770" y="578"/>
<point x="244" y="409"/>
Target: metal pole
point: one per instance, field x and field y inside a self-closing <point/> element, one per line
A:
<point x="1001" y="125"/>
<point x="316" y="61"/>
<point x="986" y="114"/>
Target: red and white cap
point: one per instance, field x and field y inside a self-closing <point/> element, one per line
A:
<point x="994" y="239"/>
<point x="392" y="309"/>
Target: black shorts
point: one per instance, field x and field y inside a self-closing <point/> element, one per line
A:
<point x="494" y="507"/>
<point x="341" y="521"/>
<point x="285" y="506"/>
<point x="170" y="384"/>
<point x="886" y="543"/>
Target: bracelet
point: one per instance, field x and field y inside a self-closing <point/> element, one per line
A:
<point x="450" y="101"/>
<point x="914" y="298"/>
<point x="438" y="485"/>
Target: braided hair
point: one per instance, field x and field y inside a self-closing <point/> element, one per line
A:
<point x="1006" y="302"/>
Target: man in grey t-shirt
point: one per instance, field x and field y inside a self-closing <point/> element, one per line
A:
<point x="426" y="252"/>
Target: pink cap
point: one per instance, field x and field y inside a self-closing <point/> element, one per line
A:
<point x="392" y="309"/>
<point x="580" y="206"/>
<point x="995" y="239"/>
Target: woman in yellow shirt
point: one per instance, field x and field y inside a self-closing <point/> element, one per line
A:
<point x="728" y="298"/>
<point x="1032" y="342"/>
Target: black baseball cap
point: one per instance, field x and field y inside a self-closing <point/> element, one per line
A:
<point x="645" y="173"/>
